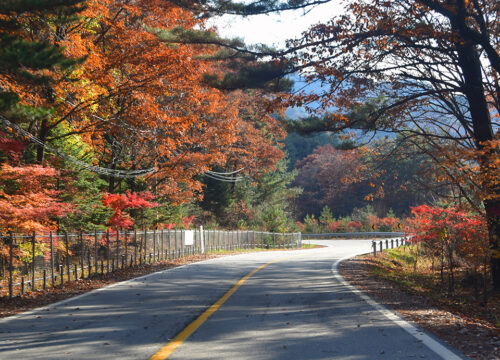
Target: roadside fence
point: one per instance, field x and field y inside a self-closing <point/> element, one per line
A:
<point x="390" y="243"/>
<point x="39" y="261"/>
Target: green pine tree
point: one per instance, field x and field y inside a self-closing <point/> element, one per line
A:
<point x="21" y="59"/>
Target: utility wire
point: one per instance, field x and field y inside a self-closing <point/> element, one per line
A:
<point x="79" y="163"/>
<point x="219" y="176"/>
<point x="231" y="180"/>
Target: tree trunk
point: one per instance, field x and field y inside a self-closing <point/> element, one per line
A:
<point x="473" y="89"/>
<point x="493" y="219"/>
<point x="42" y="135"/>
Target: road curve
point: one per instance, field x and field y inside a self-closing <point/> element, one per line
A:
<point x="291" y="309"/>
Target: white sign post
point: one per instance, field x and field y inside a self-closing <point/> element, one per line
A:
<point x="188" y="237"/>
<point x="202" y="240"/>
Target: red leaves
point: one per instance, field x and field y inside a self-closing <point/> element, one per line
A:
<point x="187" y="221"/>
<point x="451" y="227"/>
<point x="354" y="226"/>
<point x="120" y="202"/>
<point x="28" y="201"/>
<point x="169" y="226"/>
<point x="11" y="147"/>
<point x="129" y="200"/>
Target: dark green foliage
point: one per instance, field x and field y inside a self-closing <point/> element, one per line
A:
<point x="263" y="203"/>
<point x="219" y="7"/>
<point x="243" y="69"/>
<point x="84" y="190"/>
<point x="67" y="7"/>
<point x="258" y="75"/>
<point x="217" y="196"/>
<point x="299" y="146"/>
<point x="367" y="118"/>
<point x="308" y="125"/>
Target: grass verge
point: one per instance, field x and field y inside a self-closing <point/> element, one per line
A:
<point x="421" y="275"/>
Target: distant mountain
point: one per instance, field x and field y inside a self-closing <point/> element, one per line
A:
<point x="295" y="113"/>
<point x="300" y="85"/>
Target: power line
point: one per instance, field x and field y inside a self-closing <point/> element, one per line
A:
<point x="225" y="173"/>
<point x="219" y="176"/>
<point x="224" y="179"/>
<point x="79" y="163"/>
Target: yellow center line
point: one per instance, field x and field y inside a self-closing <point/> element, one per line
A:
<point x="169" y="348"/>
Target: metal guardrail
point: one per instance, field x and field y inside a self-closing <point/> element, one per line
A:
<point x="352" y="235"/>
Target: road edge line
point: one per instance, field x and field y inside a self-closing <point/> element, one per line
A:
<point x="419" y="334"/>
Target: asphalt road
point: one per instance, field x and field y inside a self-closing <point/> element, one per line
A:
<point x="292" y="309"/>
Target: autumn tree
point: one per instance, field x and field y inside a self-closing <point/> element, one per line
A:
<point x="29" y="61"/>
<point x="28" y="199"/>
<point x="238" y="199"/>
<point x="326" y="176"/>
<point x="138" y="101"/>
<point x="133" y="94"/>
<point x="121" y="205"/>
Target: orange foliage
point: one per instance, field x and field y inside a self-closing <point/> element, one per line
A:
<point x="258" y="132"/>
<point x="28" y="201"/>
<point x="138" y="101"/>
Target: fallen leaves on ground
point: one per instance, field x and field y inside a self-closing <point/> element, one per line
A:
<point x="471" y="332"/>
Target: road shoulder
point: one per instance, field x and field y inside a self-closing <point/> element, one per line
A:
<point x="470" y="336"/>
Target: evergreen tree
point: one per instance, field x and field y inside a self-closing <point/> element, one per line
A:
<point x="21" y="59"/>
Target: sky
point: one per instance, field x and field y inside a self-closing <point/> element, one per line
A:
<point x="276" y="28"/>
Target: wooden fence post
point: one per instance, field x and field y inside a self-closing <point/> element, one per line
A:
<point x="117" y="250"/>
<point x="135" y="247"/>
<point x="67" y="254"/>
<point x="374" y="245"/>
<point x="61" y="272"/>
<point x="107" y="251"/>
<point x="33" y="243"/>
<point x="154" y="245"/>
<point x="125" y="238"/>
<point x="145" y="246"/>
<point x="95" y="253"/>
<point x="89" y="263"/>
<point x="82" y="256"/>
<point x="52" y="259"/>
<point x="162" y="245"/>
<point x="175" y="243"/>
<point x="11" y="265"/>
